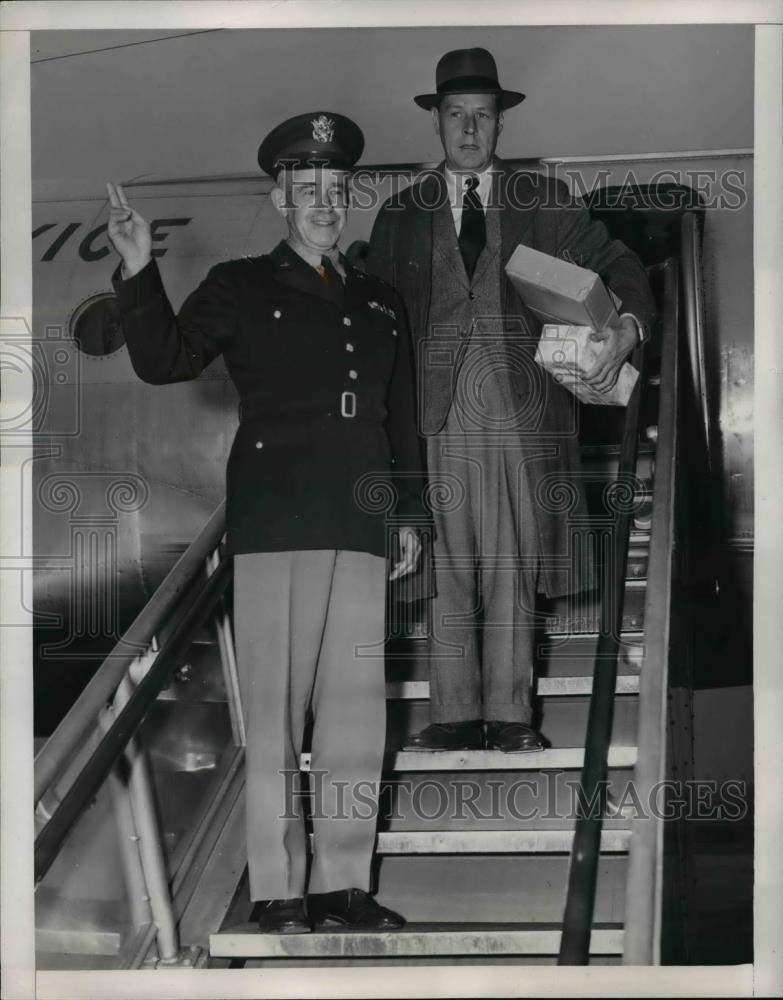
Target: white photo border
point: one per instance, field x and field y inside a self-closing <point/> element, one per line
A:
<point x="765" y="977"/>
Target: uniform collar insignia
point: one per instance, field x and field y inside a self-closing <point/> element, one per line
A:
<point x="283" y="258"/>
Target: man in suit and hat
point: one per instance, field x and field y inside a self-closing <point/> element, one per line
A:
<point x="501" y="435"/>
<point x="320" y="356"/>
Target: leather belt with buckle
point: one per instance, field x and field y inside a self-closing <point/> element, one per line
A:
<point x="348" y="404"/>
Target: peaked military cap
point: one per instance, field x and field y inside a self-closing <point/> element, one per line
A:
<point x="318" y="139"/>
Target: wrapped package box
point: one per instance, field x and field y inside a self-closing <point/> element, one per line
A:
<point x="558" y="291"/>
<point x="566" y="351"/>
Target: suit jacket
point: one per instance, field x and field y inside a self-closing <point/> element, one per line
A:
<point x="324" y="376"/>
<point x="539" y="212"/>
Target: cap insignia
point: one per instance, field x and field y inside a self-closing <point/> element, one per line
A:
<point x="323" y="129"/>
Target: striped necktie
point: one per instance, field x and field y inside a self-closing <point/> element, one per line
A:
<point x="473" y="228"/>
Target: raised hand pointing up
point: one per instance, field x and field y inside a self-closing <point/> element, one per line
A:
<point x="128" y="231"/>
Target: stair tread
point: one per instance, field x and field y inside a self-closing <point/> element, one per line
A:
<point x="77" y="942"/>
<point x="566" y="686"/>
<point x="567" y="758"/>
<point x="643" y="448"/>
<point x="573" y="685"/>
<point x="413" y="940"/>
<point x="554" y="841"/>
<point x="557" y="840"/>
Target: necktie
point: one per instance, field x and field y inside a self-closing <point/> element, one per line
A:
<point x="329" y="272"/>
<point x="473" y="228"/>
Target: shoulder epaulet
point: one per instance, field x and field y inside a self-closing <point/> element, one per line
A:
<point x="242" y="261"/>
<point x="379" y="284"/>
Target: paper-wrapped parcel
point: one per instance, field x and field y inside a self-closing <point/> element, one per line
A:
<point x="572" y="302"/>
<point x="567" y="351"/>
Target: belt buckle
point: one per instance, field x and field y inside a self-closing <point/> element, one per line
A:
<point x="348" y="403"/>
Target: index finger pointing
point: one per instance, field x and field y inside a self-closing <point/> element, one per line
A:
<point x="121" y="196"/>
<point x="113" y="199"/>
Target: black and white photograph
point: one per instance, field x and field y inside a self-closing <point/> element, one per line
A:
<point x="391" y="471"/>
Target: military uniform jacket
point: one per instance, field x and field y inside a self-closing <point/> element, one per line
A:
<point x="537" y="211"/>
<point x="327" y="449"/>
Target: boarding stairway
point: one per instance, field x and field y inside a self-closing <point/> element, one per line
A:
<point x="491" y="857"/>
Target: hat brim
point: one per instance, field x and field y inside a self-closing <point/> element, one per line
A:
<point x="508" y="98"/>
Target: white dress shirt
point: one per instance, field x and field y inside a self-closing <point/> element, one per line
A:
<point x="455" y="185"/>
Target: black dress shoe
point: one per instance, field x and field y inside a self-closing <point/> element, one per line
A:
<point x="283" y="916"/>
<point x="513" y="737"/>
<point x="352" y="908"/>
<point x="448" y="736"/>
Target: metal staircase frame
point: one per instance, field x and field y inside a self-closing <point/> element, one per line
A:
<point x="644" y="885"/>
<point x="578" y="915"/>
<point x="70" y="768"/>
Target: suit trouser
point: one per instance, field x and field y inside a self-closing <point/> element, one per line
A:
<point x="301" y="620"/>
<point x="480" y="649"/>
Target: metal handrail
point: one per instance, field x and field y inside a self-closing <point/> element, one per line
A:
<point x="578" y="915"/>
<point x="65" y="740"/>
<point x="693" y="311"/>
<point x="140" y="797"/>
<point x="172" y="654"/>
<point x="644" y="884"/>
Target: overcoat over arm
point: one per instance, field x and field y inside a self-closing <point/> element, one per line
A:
<point x="327" y="435"/>
<point x="539" y="212"/>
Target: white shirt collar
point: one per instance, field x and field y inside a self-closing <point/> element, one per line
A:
<point x="455" y="183"/>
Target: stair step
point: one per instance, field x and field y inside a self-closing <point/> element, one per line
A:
<point x="412" y="941"/>
<point x="562" y="720"/>
<point x="575" y="655"/>
<point x="494" y="841"/>
<point x="77" y="942"/>
<point x="545" y="686"/>
<point x="581" y="614"/>
<point x="556" y="656"/>
<point x="561" y="758"/>
<point x="613" y="841"/>
<point x="571" y="614"/>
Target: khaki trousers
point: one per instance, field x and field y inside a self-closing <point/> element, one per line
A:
<point x="309" y="634"/>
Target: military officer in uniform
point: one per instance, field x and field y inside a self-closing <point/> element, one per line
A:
<point x="320" y="356"/>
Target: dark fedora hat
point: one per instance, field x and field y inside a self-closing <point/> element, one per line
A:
<point x="317" y="139"/>
<point x="468" y="71"/>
